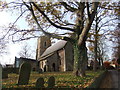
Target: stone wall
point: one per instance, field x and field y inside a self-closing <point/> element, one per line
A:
<point x="11" y="70"/>
<point x="50" y="63"/>
<point x="61" y="57"/>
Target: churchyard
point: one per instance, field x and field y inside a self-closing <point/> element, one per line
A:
<point x="29" y="79"/>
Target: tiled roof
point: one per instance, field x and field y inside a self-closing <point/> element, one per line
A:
<point x="60" y="44"/>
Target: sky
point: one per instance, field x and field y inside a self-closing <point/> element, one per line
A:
<point x="14" y="48"/>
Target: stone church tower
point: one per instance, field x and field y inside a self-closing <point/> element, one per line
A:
<point x="42" y="44"/>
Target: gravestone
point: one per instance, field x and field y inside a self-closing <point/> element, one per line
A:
<point x="51" y="82"/>
<point x="40" y="70"/>
<point x="24" y="74"/>
<point x="0" y="76"/>
<point x="40" y="83"/>
<point x="4" y="73"/>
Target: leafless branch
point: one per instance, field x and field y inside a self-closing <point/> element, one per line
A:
<point x="11" y="27"/>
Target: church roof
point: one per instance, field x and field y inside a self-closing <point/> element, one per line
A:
<point x="57" y="46"/>
<point x="25" y="59"/>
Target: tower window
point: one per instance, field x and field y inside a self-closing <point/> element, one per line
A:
<point x="45" y="44"/>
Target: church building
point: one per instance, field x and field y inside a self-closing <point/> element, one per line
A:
<point x="56" y="57"/>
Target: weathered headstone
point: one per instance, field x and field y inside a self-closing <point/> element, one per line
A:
<point x="24" y="73"/>
<point x="51" y="82"/>
<point x="40" y="70"/>
<point x="40" y="83"/>
<point x="0" y="76"/>
<point x="4" y="73"/>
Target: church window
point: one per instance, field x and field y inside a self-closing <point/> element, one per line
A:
<point x="53" y="66"/>
<point x="45" y="44"/>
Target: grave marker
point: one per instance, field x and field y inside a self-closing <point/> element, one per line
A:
<point x="24" y="73"/>
<point x="51" y="82"/>
<point x="40" y="83"/>
<point x="4" y="74"/>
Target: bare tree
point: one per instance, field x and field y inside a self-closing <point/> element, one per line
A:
<point x="99" y="31"/>
<point x="115" y="34"/>
<point x="26" y="51"/>
<point x="3" y="44"/>
<point x="116" y="40"/>
<point x="3" y="47"/>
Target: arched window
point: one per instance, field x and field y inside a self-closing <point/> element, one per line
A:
<point x="53" y="65"/>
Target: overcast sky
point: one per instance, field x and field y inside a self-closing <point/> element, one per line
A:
<point x="14" y="48"/>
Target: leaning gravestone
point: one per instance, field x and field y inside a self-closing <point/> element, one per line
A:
<point x="40" y="83"/>
<point x="0" y="76"/>
<point x="51" y="82"/>
<point x="24" y="74"/>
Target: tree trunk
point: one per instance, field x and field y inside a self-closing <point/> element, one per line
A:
<point x="80" y="60"/>
<point x="95" y="57"/>
<point x="95" y="44"/>
<point x="102" y="67"/>
<point x="99" y="62"/>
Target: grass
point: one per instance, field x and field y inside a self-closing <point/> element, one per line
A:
<point x="63" y="79"/>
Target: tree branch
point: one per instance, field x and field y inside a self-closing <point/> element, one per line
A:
<point x="88" y="9"/>
<point x="13" y="24"/>
<point x="69" y="8"/>
<point x="83" y="35"/>
<point x="57" y="26"/>
<point x="46" y="33"/>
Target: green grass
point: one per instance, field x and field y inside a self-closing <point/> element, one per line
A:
<point x="63" y="79"/>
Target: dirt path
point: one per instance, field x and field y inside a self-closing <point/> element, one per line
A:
<point x="112" y="80"/>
